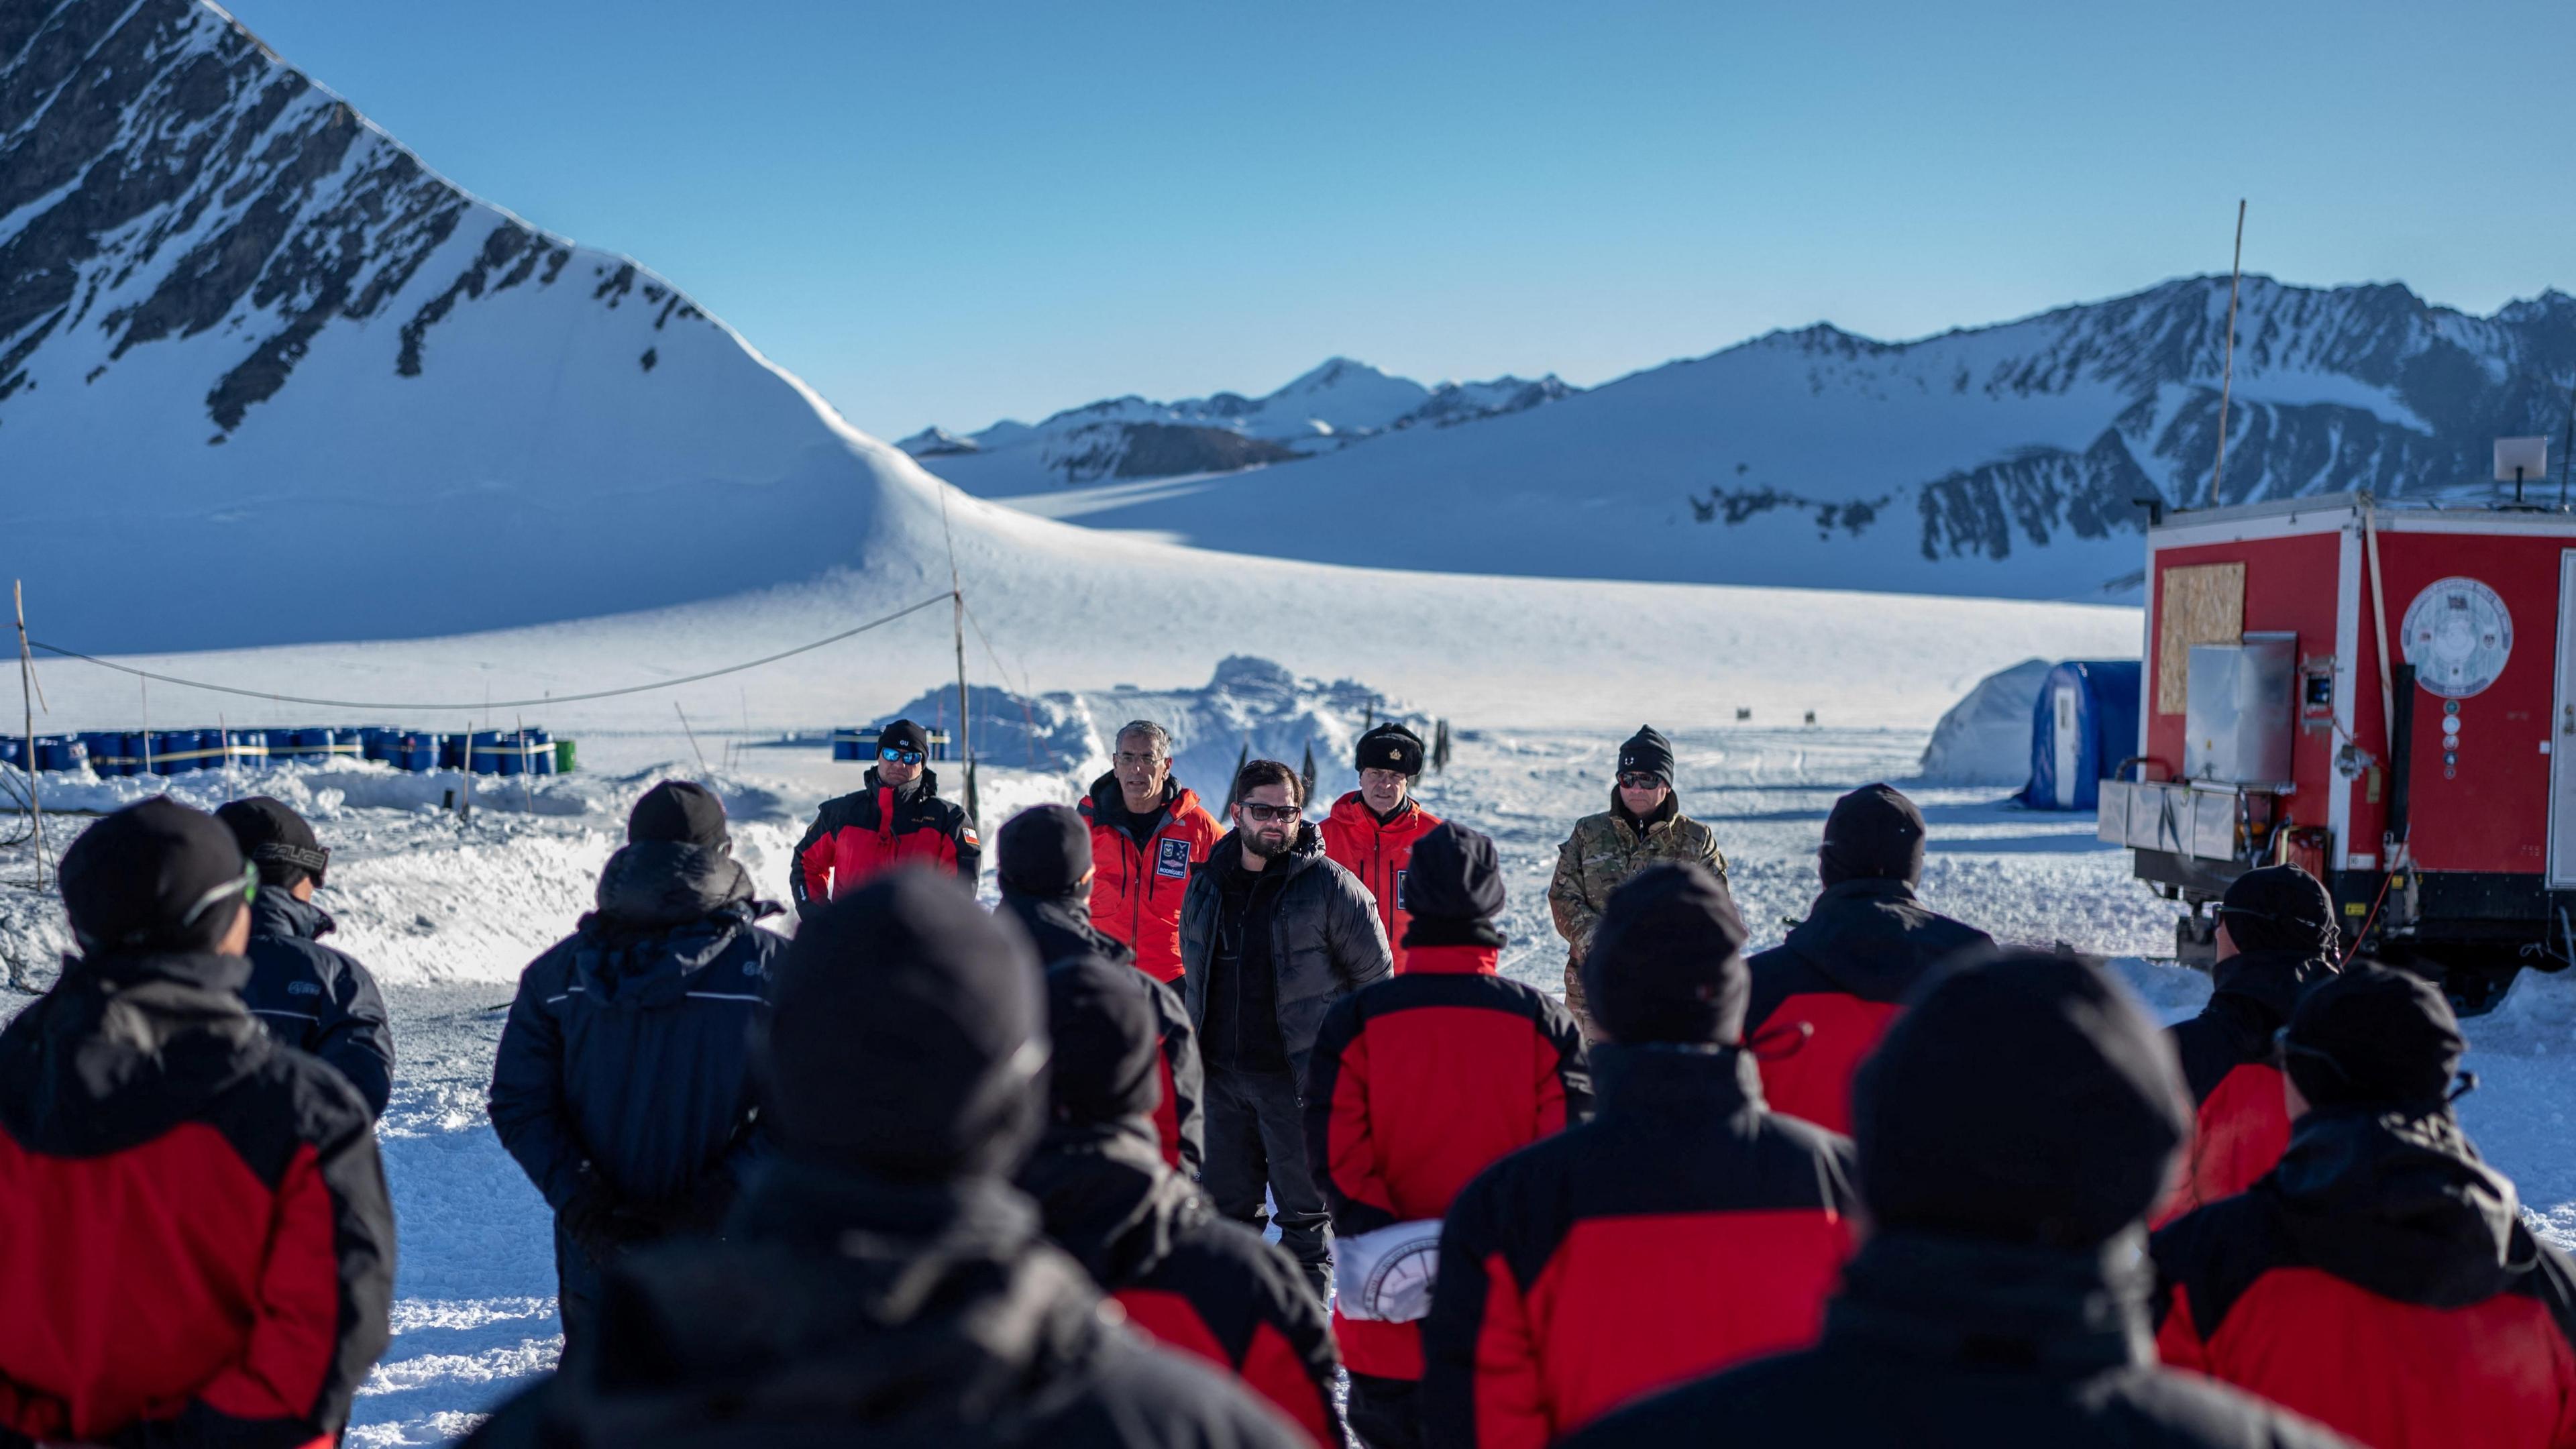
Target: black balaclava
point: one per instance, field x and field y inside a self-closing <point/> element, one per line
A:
<point x="1666" y="962"/>
<point x="2022" y="1097"/>
<point x="907" y="1035"/>
<point x="2373" y="1037"/>
<point x="680" y="812"/>
<point x="1043" y="851"/>
<point x="1873" y="832"/>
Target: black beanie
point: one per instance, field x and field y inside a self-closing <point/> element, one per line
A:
<point x="2279" y="908"/>
<point x="680" y="812"/>
<point x="907" y="1035"/>
<point x="1647" y="750"/>
<point x="2373" y="1036"/>
<point x="1453" y="888"/>
<point x="903" y="734"/>
<point x="1873" y="832"/>
<point x="274" y="838"/>
<point x="1107" y="1041"/>
<point x="2022" y="1096"/>
<point x="1665" y="963"/>
<point x="153" y="876"/>
<point x="1043" y="851"/>
<point x="1389" y="746"/>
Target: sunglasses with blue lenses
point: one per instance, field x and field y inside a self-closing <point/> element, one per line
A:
<point x="891" y="755"/>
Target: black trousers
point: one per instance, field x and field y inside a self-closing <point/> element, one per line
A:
<point x="1256" y="1138"/>
<point x="1386" y="1413"/>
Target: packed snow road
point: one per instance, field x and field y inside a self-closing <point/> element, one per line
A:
<point x="447" y="915"/>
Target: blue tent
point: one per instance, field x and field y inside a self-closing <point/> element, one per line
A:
<point x="2084" y="723"/>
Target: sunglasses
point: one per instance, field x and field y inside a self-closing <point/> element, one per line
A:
<point x="1639" y="781"/>
<point x="247" y="888"/>
<point x="1267" y="814"/>
<point x="894" y="756"/>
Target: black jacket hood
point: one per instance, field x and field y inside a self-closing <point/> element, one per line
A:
<point x="915" y="1308"/>
<point x="278" y="914"/>
<point x="1308" y="848"/>
<point x="2399" y="1203"/>
<point x="666" y="911"/>
<point x="1107" y="1197"/>
<point x="1969" y="1303"/>
<point x="2269" y="981"/>
<point x="124" y="1047"/>
<point x="1872" y="938"/>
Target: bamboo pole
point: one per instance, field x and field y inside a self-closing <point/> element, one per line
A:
<point x="2227" y="368"/>
<point x="27" y="698"/>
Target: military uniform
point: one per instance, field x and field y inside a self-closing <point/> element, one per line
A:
<point x="1603" y="851"/>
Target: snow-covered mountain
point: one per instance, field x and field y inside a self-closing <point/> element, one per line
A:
<point x="1323" y="410"/>
<point x="264" y="375"/>
<point x="1999" y="460"/>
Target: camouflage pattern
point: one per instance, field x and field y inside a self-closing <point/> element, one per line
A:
<point x="1603" y="851"/>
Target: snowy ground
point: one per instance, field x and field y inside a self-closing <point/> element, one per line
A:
<point x="448" y="914"/>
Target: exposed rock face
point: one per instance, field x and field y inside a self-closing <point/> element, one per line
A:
<point x="163" y="176"/>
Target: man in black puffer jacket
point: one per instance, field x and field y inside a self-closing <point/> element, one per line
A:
<point x="1188" y="1277"/>
<point x="1043" y="858"/>
<point x="882" y="1282"/>
<point x="2276" y="940"/>
<point x="622" y="1081"/>
<point x="2013" y="1128"/>
<point x="308" y="995"/>
<point x="1273" y="933"/>
<point x="1823" y="997"/>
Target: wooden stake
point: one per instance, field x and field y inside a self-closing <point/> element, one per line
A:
<point x="27" y="697"/>
<point x="2227" y="369"/>
<point x="703" y="772"/>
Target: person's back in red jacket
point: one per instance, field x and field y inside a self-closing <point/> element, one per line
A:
<point x="1823" y="997"/>
<point x="1683" y="1229"/>
<point x="196" y="1245"/>
<point x="2379" y="1278"/>
<point x="1147" y="832"/>
<point x="1187" y="1277"/>
<point x="2276" y="939"/>
<point x="1371" y="831"/>
<point x="897" y="820"/>
<point x="1420" y="1082"/>
<point x="2011" y="1132"/>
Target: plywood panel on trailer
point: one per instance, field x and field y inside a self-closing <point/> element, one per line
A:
<point x="2202" y="604"/>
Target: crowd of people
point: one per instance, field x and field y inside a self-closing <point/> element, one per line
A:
<point x="927" y="1174"/>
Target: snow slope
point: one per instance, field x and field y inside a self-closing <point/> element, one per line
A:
<point x="1332" y="406"/>
<point x="2000" y="460"/>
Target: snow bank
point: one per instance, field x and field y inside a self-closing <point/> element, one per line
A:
<point x="1985" y="738"/>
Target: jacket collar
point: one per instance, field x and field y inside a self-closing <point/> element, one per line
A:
<point x="1663" y="817"/>
<point x="1656" y="1079"/>
<point x="2270" y="981"/>
<point x="1109" y="802"/>
<point x="1450" y="959"/>
<point x="278" y="915"/>
<point x="923" y="786"/>
<point x="1303" y="852"/>
<point x="1107" y="1197"/>
<point x="1996" y="1306"/>
<point x="1353" y="810"/>
<point x="2398" y="1203"/>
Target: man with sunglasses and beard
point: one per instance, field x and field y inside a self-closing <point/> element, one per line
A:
<point x="1272" y="935"/>
<point x="1644" y="825"/>
<point x="898" y="819"/>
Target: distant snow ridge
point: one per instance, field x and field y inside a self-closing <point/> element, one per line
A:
<point x="1332" y="406"/>
<point x="1251" y="708"/>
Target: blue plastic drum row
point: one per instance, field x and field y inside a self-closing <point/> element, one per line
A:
<point x="174" y="752"/>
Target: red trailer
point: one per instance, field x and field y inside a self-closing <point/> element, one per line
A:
<point x="2384" y="694"/>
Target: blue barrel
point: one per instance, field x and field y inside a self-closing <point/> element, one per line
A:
<point x="244" y="747"/>
<point x="13" y="750"/>
<point x="541" y="752"/>
<point x="484" y="752"/>
<point x="854" y="744"/>
<point x="417" y="753"/>
<point x="297" y="745"/>
<point x="61" y="753"/>
<point x="106" y="752"/>
<point x="375" y="742"/>
<point x="344" y="744"/>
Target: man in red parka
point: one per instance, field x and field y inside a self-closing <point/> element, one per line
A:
<point x="1371" y="831"/>
<point x="2379" y="1278"/>
<point x="1147" y="831"/>
<point x="1415" y="1086"/>
<point x="1686" y="1227"/>
<point x="898" y="819"/>
<point x="196" y="1246"/>
<point x="2276" y="940"/>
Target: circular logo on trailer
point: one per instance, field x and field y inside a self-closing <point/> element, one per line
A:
<point x="2458" y="635"/>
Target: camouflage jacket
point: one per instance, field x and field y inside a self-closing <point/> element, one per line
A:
<point x="1605" y="850"/>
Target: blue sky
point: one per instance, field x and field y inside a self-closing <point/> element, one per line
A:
<point x="955" y="212"/>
